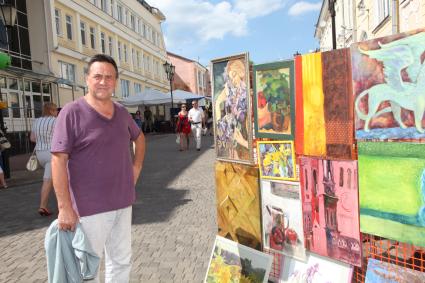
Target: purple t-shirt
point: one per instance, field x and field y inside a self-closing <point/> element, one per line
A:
<point x="100" y="167"/>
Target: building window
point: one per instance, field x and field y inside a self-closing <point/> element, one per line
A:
<point x="111" y="8"/>
<point x="111" y="46"/>
<point x="132" y="22"/>
<point x="92" y="37"/>
<point x="125" y="88"/>
<point x="102" y="42"/>
<point x="382" y="10"/>
<point x="144" y="30"/>
<point x="68" y="27"/>
<point x="67" y="71"/>
<point x="119" y="51"/>
<point x="133" y="56"/>
<point x="138" y="25"/>
<point x="138" y="59"/>
<point x="58" y="22"/>
<point x="127" y="18"/>
<point x="137" y="88"/>
<point x="125" y="53"/>
<point x="119" y="13"/>
<point x="103" y="5"/>
<point x="145" y="62"/>
<point x="83" y="33"/>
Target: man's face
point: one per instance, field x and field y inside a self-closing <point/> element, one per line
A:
<point x="195" y="104"/>
<point x="101" y="80"/>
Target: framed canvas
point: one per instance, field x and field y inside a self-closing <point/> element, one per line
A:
<point x="387" y="73"/>
<point x="384" y="272"/>
<point x="282" y="218"/>
<point x="232" y="262"/>
<point x="276" y="160"/>
<point x="317" y="269"/>
<point x="392" y="186"/>
<point x="232" y="116"/>
<point x="274" y="110"/>
<point x="238" y="203"/>
<point x="330" y="206"/>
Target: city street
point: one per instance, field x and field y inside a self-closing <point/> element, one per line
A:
<point x="174" y="219"/>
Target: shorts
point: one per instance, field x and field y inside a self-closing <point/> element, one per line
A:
<point x="44" y="157"/>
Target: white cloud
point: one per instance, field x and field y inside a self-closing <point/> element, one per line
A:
<point x="198" y="21"/>
<point x="304" y="7"/>
<point x="258" y="8"/>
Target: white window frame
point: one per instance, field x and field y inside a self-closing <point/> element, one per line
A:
<point x="111" y="8"/>
<point x="120" y="13"/>
<point x="125" y="88"/>
<point x="125" y="53"/>
<point x="111" y="46"/>
<point x="68" y="20"/>
<point x="104" y="6"/>
<point x="83" y="33"/>
<point x="58" y="22"/>
<point x="119" y="51"/>
<point x="67" y="71"/>
<point x="137" y="88"/>
<point x="93" y="37"/>
<point x="132" y="22"/>
<point x="102" y="42"/>
<point x="382" y="10"/>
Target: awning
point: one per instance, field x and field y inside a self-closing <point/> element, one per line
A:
<point x="146" y="97"/>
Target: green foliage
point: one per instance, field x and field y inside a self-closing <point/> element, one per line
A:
<point x="276" y="90"/>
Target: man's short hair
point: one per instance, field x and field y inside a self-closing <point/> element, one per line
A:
<point x="103" y="58"/>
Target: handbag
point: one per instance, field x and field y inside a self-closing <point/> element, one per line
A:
<point x="4" y="143"/>
<point x="32" y="163"/>
<point x="177" y="139"/>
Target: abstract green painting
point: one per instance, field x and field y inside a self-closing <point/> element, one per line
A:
<point x="392" y="190"/>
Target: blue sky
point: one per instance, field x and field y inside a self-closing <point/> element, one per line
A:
<point x="269" y="30"/>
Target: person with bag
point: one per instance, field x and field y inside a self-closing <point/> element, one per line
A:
<point x="183" y="128"/>
<point x="197" y="121"/>
<point x="41" y="134"/>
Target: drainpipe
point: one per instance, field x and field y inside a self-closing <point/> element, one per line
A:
<point x="395" y="10"/>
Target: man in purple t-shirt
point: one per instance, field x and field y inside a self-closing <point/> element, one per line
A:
<point x="94" y="175"/>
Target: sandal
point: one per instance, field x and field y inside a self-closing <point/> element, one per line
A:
<point x="44" y="211"/>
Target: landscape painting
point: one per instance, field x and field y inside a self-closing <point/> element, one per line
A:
<point x="282" y="218"/>
<point x="238" y="203"/>
<point x="317" y="269"/>
<point x="232" y="262"/>
<point x="274" y="100"/>
<point x="388" y="76"/>
<point x="276" y="160"/>
<point x="232" y="109"/>
<point x="392" y="190"/>
<point x="330" y="206"/>
<point x="384" y="272"/>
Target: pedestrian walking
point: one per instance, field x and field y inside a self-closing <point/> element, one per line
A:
<point x="138" y="119"/>
<point x="197" y="121"/>
<point x="183" y="128"/>
<point x="91" y="162"/>
<point x="148" y="120"/>
<point x="41" y="134"/>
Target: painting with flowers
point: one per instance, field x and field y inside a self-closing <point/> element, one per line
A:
<point x="232" y="111"/>
<point x="234" y="263"/>
<point x="276" y="160"/>
<point x="274" y="100"/>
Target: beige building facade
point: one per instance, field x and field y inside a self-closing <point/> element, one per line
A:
<point x="359" y="20"/>
<point x="52" y="41"/>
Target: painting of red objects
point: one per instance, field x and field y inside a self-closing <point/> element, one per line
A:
<point x="330" y="204"/>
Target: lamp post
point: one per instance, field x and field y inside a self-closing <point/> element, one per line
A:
<point x="332" y="13"/>
<point x="8" y="17"/>
<point x="169" y="70"/>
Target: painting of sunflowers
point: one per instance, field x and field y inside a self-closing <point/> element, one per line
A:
<point x="231" y="262"/>
<point x="276" y="160"/>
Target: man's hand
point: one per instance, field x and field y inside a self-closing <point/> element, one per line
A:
<point x="67" y="219"/>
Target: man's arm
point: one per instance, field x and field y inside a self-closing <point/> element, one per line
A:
<point x="139" y="156"/>
<point x="67" y="218"/>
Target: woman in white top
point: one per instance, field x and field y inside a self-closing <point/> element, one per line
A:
<point x="41" y="134"/>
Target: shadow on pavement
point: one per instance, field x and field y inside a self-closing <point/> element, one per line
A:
<point x="155" y="200"/>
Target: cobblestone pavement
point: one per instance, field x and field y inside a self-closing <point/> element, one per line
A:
<point x="174" y="219"/>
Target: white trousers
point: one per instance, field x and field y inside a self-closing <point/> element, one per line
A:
<point x="197" y="133"/>
<point x="111" y="232"/>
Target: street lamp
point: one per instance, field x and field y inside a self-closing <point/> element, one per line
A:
<point x="332" y="13"/>
<point x="8" y="16"/>
<point x="170" y="70"/>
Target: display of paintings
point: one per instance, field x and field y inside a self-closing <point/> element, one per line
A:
<point x="282" y="218"/>
<point x="232" y="262"/>
<point x="325" y="119"/>
<point x="388" y="74"/>
<point x="384" y="272"/>
<point x="317" y="269"/>
<point x="232" y="109"/>
<point x="392" y="190"/>
<point x="330" y="206"/>
<point x="238" y="203"/>
<point x="274" y="100"/>
<point x="276" y="160"/>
